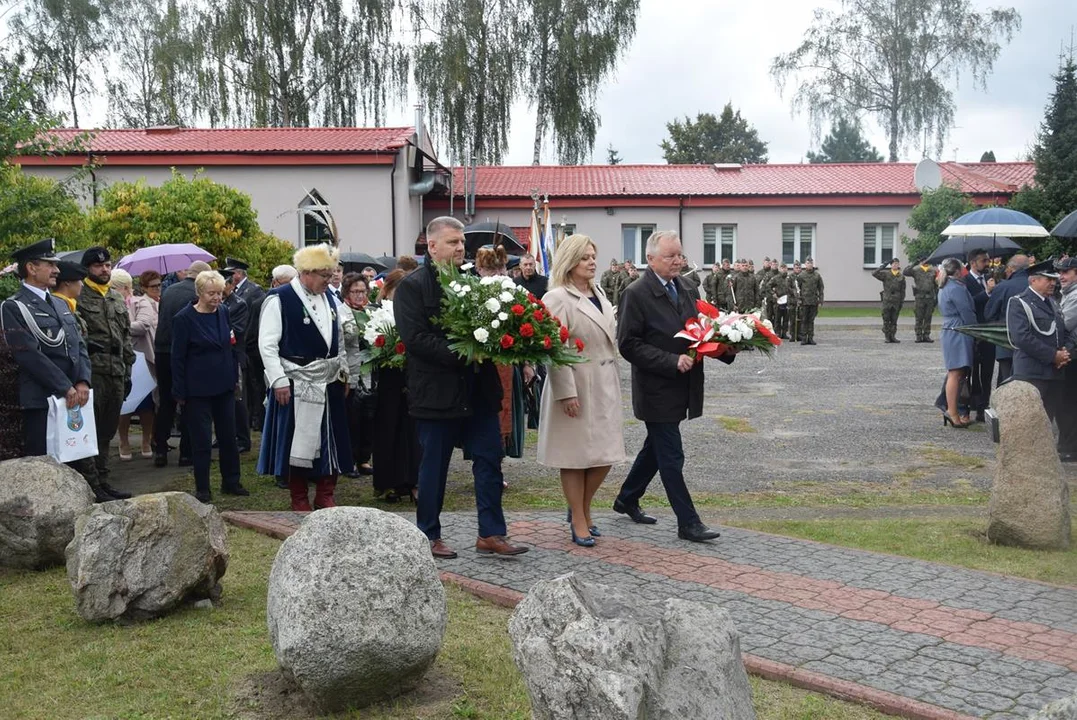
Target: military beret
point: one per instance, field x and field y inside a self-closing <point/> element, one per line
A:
<point x="41" y="250"/>
<point x="70" y="272"/>
<point x="94" y="255"/>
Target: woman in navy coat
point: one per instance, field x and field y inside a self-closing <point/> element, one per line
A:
<point x="957" y="308"/>
<point x="204" y="377"/>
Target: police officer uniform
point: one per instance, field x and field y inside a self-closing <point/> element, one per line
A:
<point x="1036" y="328"/>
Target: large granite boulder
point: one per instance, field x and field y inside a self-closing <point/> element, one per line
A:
<point x="39" y="501"/>
<point x="140" y="558"/>
<point x="1029" y="504"/>
<point x="1064" y="709"/>
<point x="590" y="651"/>
<point x="356" y="608"/>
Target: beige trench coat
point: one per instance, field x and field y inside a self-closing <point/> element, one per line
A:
<point x="595" y="437"/>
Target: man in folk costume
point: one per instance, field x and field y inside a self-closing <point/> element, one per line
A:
<point x="301" y="342"/>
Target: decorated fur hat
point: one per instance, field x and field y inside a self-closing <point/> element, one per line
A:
<point x="316" y="257"/>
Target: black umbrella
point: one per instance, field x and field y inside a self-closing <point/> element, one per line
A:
<point x="491" y="233"/>
<point x="959" y="246"/>
<point x="388" y="261"/>
<point x="358" y="261"/>
<point x="1067" y="227"/>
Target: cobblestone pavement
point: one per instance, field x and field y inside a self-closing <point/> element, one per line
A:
<point x="973" y="643"/>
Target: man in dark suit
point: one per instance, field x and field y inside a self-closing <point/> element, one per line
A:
<point x="995" y="311"/>
<point x="983" y="352"/>
<point x="49" y="350"/>
<point x="246" y="288"/>
<point x="239" y="317"/>
<point x="452" y="401"/>
<point x="667" y="384"/>
<point x="1037" y="331"/>
<point x="530" y="279"/>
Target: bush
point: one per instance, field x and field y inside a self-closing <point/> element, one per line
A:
<point x="32" y="208"/>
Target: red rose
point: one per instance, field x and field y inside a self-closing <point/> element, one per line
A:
<point x="399" y="348"/>
<point x="546" y="342"/>
<point x="507" y="341"/>
<point x="527" y="330"/>
<point x="517" y="309"/>
<point x="379" y="341"/>
<point x="539" y="316"/>
<point x="579" y="345"/>
<point x="564" y="334"/>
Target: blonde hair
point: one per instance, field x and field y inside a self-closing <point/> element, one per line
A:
<point x="208" y="280"/>
<point x="316" y="257"/>
<point x="121" y="280"/>
<point x="569" y="253"/>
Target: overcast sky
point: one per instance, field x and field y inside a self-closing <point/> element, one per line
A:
<point x="692" y="56"/>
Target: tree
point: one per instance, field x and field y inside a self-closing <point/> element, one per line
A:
<point x="294" y="63"/>
<point x="468" y="66"/>
<point x="156" y="66"/>
<point x="69" y="41"/>
<point x="988" y="156"/>
<point x="33" y="207"/>
<point x="845" y="144"/>
<point x="895" y="60"/>
<point x="937" y="209"/>
<point x="707" y="140"/>
<point x="612" y="156"/>
<point x="570" y="47"/>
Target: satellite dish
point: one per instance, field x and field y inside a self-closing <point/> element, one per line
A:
<point x="927" y="175"/>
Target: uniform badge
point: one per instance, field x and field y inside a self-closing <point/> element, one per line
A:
<point x="74" y="418"/>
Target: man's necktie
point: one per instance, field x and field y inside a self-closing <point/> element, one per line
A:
<point x="672" y="290"/>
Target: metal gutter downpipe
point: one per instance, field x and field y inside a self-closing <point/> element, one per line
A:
<point x="392" y="198"/>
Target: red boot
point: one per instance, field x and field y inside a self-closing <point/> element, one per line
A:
<point x="323" y="492"/>
<point x="300" y="500"/>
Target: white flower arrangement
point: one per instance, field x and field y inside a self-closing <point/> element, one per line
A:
<point x="380" y="321"/>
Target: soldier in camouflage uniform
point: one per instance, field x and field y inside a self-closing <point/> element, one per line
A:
<point x="892" y="296"/>
<point x="811" y="297"/>
<point x="925" y="293"/>
<point x="709" y="282"/>
<point x="781" y="287"/>
<point x="108" y="339"/>
<point x="764" y="277"/>
<point x="794" y="303"/>
<point x="744" y="290"/>
<point x="609" y="281"/>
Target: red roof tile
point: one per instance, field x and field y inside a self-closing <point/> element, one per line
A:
<point x="707" y="180"/>
<point x="246" y="140"/>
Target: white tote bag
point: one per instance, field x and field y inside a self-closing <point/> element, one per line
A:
<point x="72" y="433"/>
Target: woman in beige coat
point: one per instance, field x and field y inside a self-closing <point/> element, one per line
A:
<point x="581" y="424"/>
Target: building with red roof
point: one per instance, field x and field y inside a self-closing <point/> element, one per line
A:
<point x="382" y="184"/>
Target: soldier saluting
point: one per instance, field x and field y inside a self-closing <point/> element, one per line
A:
<point x="892" y="296"/>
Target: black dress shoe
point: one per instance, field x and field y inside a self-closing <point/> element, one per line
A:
<point x="160" y="460"/>
<point x="100" y="496"/>
<point x="116" y="494"/>
<point x="204" y="497"/>
<point x="980" y="416"/>
<point x="1068" y="457"/>
<point x="697" y="532"/>
<point x="637" y="515"/>
<point x="236" y="489"/>
<point x="350" y="474"/>
<point x="365" y="470"/>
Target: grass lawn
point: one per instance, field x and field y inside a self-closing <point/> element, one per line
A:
<point x="833" y="311"/>
<point x="201" y="663"/>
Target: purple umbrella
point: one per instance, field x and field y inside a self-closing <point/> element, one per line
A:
<point x="163" y="258"/>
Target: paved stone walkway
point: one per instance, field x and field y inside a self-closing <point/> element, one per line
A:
<point x="919" y="638"/>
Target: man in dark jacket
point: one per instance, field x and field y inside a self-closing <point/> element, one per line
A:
<point x="995" y="310"/>
<point x="1037" y="331"/>
<point x="239" y="317"/>
<point x="667" y="384"/>
<point x="983" y="352"/>
<point x="178" y="296"/>
<point x="530" y="279"/>
<point x="452" y="401"/>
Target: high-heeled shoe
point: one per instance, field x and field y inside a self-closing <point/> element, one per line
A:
<point x="947" y="420"/>
<point x="592" y="529"/>
<point x="582" y="541"/>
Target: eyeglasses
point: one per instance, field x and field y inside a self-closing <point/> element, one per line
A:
<point x="151" y="286"/>
<point x="323" y="274"/>
<point x="357" y="291"/>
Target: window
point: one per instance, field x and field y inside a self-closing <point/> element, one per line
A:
<point x="719" y="243"/>
<point x="315" y="220"/>
<point x="798" y="243"/>
<point x="568" y="229"/>
<point x="879" y="243"/>
<point x="634" y="242"/>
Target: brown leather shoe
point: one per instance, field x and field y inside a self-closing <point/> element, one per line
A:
<point x="439" y="549"/>
<point x="498" y="545"/>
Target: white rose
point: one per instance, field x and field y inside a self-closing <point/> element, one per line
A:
<point x="492" y="305"/>
<point x="746" y="333"/>
<point x="488" y="280"/>
<point x="495" y="323"/>
<point x="733" y="335"/>
<point x="506" y="296"/>
<point x="455" y="286"/>
<point x="481" y="334"/>
<point x="502" y="316"/>
<point x="467" y="266"/>
<point x="466" y="289"/>
<point x="508" y="283"/>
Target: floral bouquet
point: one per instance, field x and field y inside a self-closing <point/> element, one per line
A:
<point x="374" y="289"/>
<point x="713" y="332"/>
<point x="384" y="347"/>
<point x="491" y="318"/>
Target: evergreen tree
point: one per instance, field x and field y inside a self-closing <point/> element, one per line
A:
<point x="709" y="139"/>
<point x="988" y="156"/>
<point x="612" y="156"/>
<point x="845" y="144"/>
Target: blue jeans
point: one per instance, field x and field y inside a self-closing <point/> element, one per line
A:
<point x="481" y="436"/>
<point x="661" y="453"/>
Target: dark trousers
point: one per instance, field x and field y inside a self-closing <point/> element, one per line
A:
<point x="781" y="319"/>
<point x="1067" y="411"/>
<point x="807" y="321"/>
<point x="166" y="410"/>
<point x="108" y="395"/>
<point x="254" y="392"/>
<point x="481" y="437"/>
<point x="35" y="423"/>
<point x="243" y="423"/>
<point x="204" y="414"/>
<point x="983" y="368"/>
<point x="1005" y="370"/>
<point x="1050" y="393"/>
<point x="361" y="405"/>
<point x="661" y="453"/>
